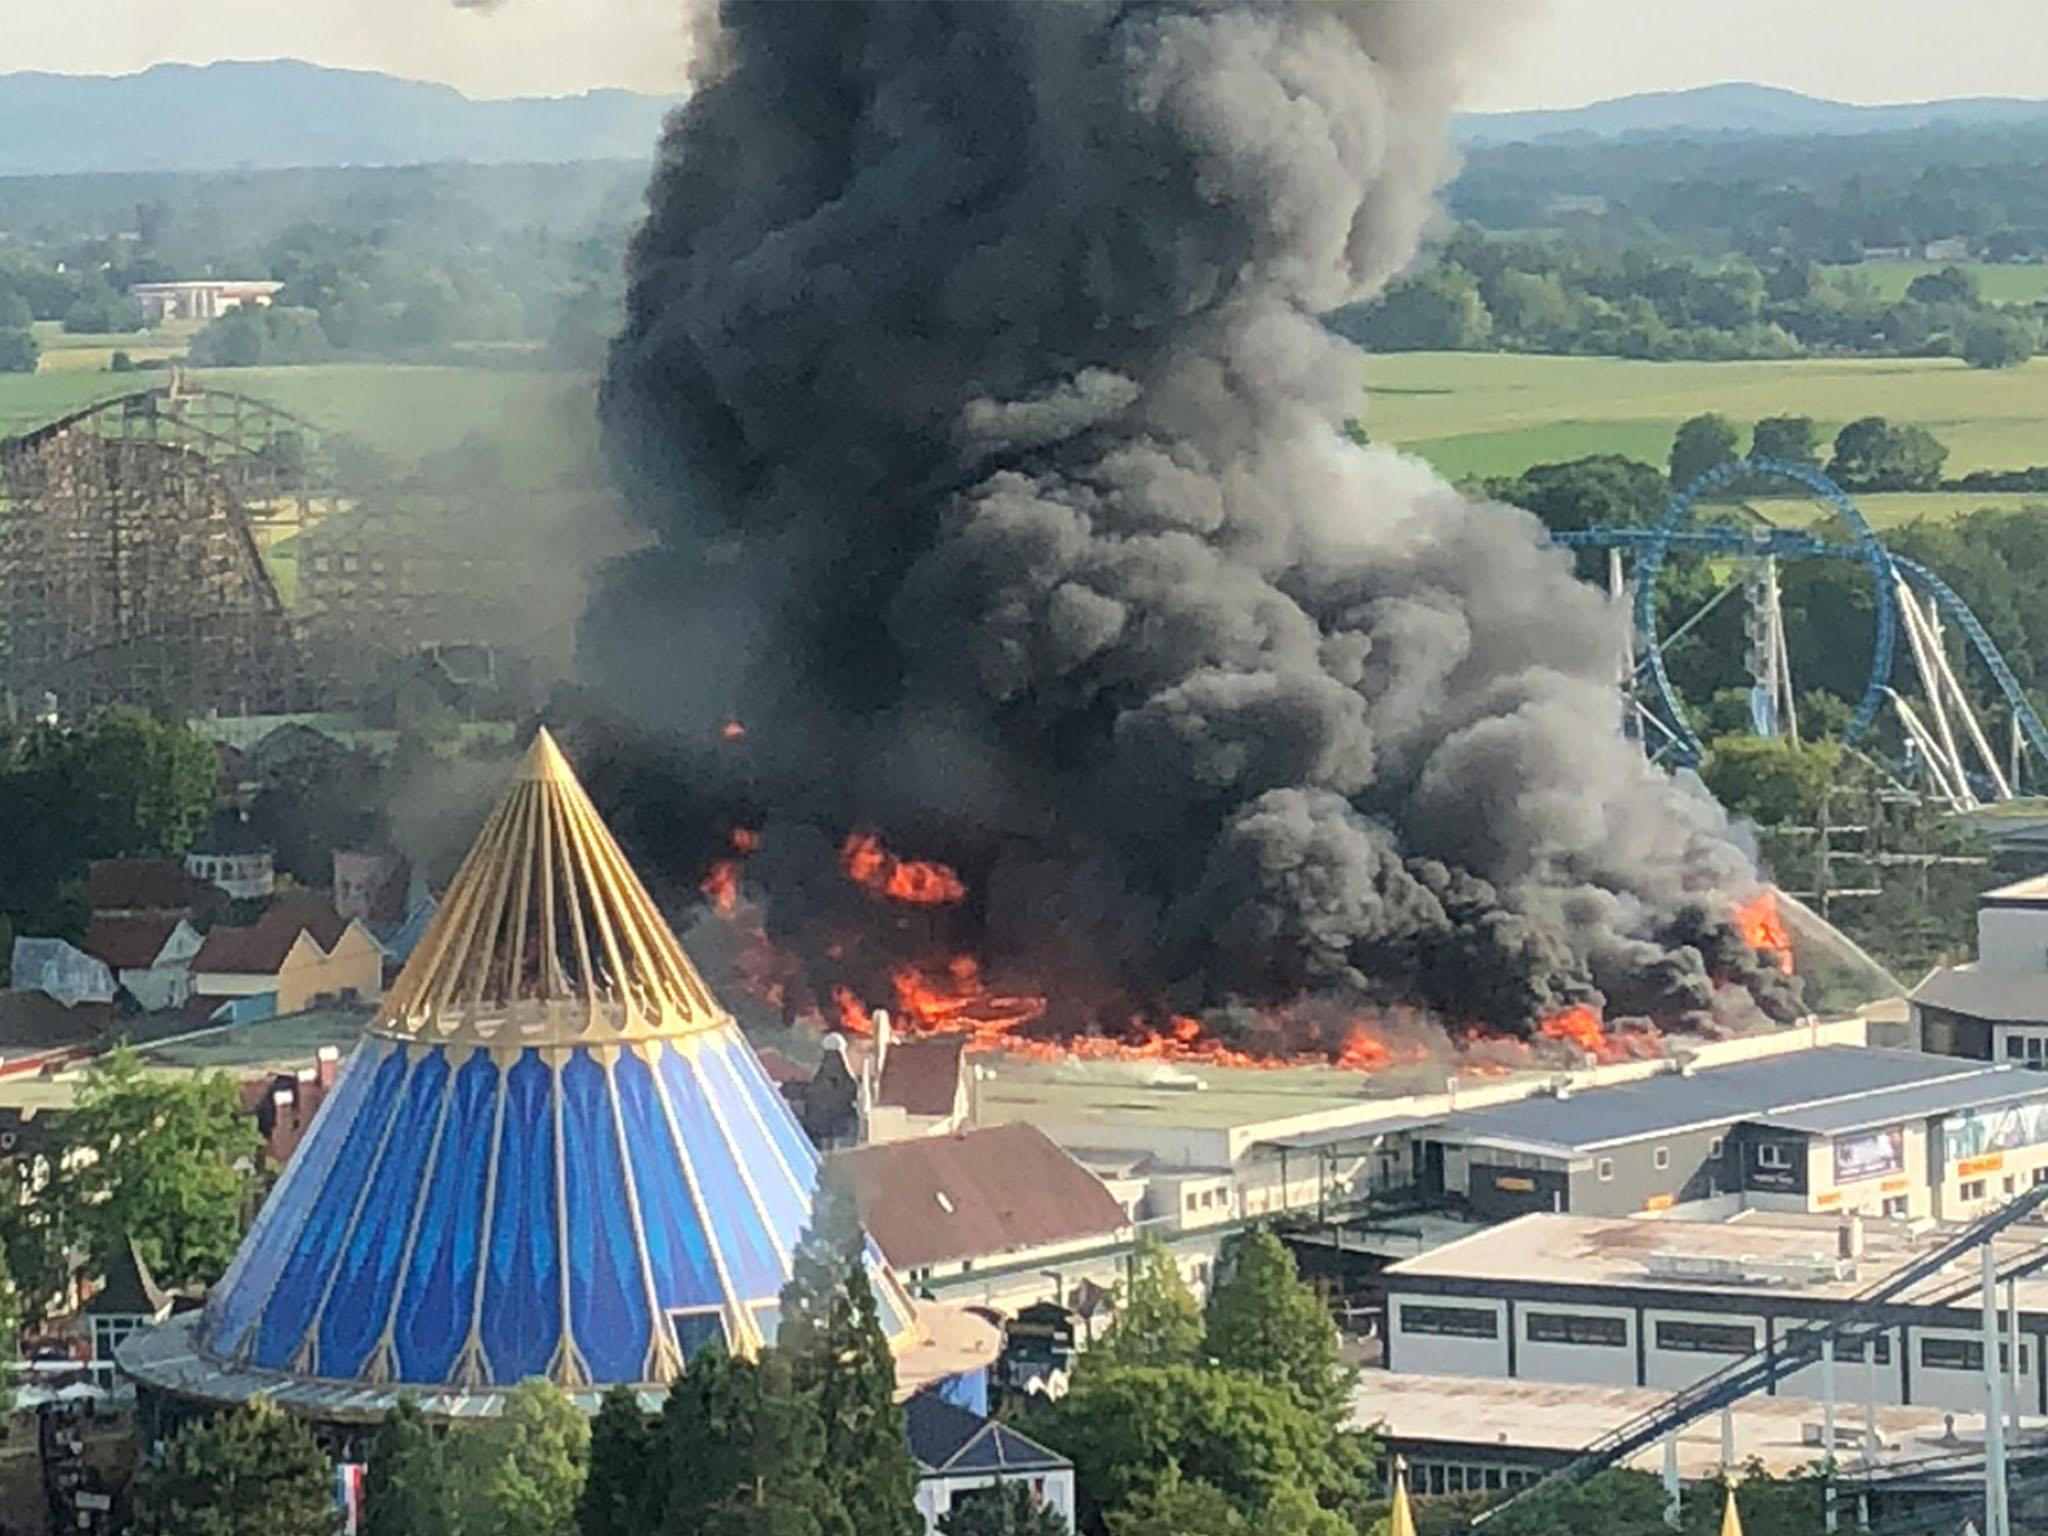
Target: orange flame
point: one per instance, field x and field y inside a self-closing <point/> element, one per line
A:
<point x="722" y="881"/>
<point x="852" y="1012"/>
<point x="920" y="882"/>
<point x="1762" y="927"/>
<point x="1582" y="1026"/>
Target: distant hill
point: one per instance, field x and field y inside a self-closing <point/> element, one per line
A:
<point x="1738" y="108"/>
<point x="285" y="113"/>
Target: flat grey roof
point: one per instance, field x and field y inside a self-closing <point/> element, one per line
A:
<point x="1348" y="1135"/>
<point x="1744" y="1090"/>
<point x="1997" y="1085"/>
<point x="2012" y="996"/>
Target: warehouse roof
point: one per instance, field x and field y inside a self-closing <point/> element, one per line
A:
<point x="2014" y="997"/>
<point x="1745" y="1090"/>
<point x="1995" y="1085"/>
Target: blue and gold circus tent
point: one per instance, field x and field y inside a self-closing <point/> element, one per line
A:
<point x="553" y="1153"/>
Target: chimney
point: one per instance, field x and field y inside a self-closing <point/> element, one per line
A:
<point x="1849" y="1238"/>
<point x="326" y="1064"/>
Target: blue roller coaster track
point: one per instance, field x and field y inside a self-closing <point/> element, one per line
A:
<point x="1675" y="534"/>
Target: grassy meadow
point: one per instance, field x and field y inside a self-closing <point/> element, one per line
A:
<point x="1485" y="413"/>
<point x="1998" y="282"/>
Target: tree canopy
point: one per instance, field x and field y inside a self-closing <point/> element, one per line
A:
<point x="173" y="1162"/>
<point x="253" y="1472"/>
<point x="1005" y="1509"/>
<point x="1263" y="1321"/>
<point x="1157" y="1320"/>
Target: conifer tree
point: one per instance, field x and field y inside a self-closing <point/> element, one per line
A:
<point x="620" y="1494"/>
<point x="739" y="1451"/>
<point x="1263" y="1321"/>
<point x="254" y="1472"/>
<point x="405" y="1486"/>
<point x="839" y="1360"/>
<point x="1157" y="1320"/>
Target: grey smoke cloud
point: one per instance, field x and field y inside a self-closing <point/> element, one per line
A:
<point x="974" y="387"/>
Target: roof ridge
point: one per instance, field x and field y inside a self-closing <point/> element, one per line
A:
<point x="546" y="935"/>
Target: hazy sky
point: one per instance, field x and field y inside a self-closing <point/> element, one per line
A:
<point x="1566" y="52"/>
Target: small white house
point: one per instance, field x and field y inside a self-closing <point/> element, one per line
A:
<point x="960" y="1454"/>
<point x="150" y="956"/>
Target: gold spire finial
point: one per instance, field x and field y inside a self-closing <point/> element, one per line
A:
<point x="546" y="936"/>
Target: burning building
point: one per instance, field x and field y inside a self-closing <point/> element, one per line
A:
<point x="552" y="1155"/>
<point x="1062" y="662"/>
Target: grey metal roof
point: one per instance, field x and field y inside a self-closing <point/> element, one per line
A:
<point x="1353" y="1135"/>
<point x="1746" y="1090"/>
<point x="2014" y="997"/>
<point x="1994" y="1085"/>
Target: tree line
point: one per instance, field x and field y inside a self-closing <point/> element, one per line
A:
<point x="1524" y="293"/>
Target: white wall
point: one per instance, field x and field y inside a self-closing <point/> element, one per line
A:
<point x="1961" y="1390"/>
<point x="2012" y="939"/>
<point x="1852" y="1385"/>
<point x="1595" y="1364"/>
<point x="1435" y="1354"/>
<point x="935" y="1495"/>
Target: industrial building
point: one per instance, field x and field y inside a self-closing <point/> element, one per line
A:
<point x="1662" y="1304"/>
<point x="1994" y="1008"/>
<point x="1890" y="1133"/>
<point x="201" y="299"/>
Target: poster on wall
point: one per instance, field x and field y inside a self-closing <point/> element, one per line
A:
<point x="1872" y="1155"/>
<point x="1993" y="1130"/>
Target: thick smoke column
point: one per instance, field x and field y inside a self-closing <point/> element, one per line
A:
<point x="974" y="387"/>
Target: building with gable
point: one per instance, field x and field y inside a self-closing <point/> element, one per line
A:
<point x="960" y="1454"/>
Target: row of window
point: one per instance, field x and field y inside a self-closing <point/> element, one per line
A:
<point x="1684" y="1338"/>
<point x="1440" y="1477"/>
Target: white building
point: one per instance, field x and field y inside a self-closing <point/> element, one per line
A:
<point x="1994" y="1008"/>
<point x="960" y="1454"/>
<point x="1662" y="1303"/>
<point x="205" y="299"/>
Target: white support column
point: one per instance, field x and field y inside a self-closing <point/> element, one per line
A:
<point x="2015" y="1400"/>
<point x="1672" y="1511"/>
<point x="1728" y="1441"/>
<point x="1827" y="1425"/>
<point x="1994" y="1420"/>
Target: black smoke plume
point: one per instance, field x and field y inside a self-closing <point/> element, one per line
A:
<point x="974" y="389"/>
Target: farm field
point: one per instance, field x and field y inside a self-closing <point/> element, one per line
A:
<point x="1998" y="282"/>
<point x="543" y="422"/>
<point x="1483" y="413"/>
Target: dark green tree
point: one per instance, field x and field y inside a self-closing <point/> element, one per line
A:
<point x="406" y="1488"/>
<point x="173" y="1165"/>
<point x="619" y="1498"/>
<point x="1003" y="1509"/>
<point x="1701" y="443"/>
<point x="739" y="1452"/>
<point x="1873" y="455"/>
<point x="1178" y="1506"/>
<point x="1951" y="285"/>
<point x="19" y="350"/>
<point x="1123" y="1427"/>
<point x="1997" y="341"/>
<point x="839" y="1359"/>
<point x="519" y="1474"/>
<point x="1795" y="438"/>
<point x="253" y="1472"/>
<point x="1263" y="1321"/>
<point x="1440" y="310"/>
<point x="1157" y="1320"/>
<point x="1768" y="779"/>
<point x="1600" y="490"/>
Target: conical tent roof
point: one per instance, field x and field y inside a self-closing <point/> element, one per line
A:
<point x="553" y="1153"/>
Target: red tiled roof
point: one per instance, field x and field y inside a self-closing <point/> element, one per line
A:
<point x="934" y="1199"/>
<point x="129" y="943"/>
<point x="138" y="885"/>
<point x="260" y="949"/>
<point x="922" y="1077"/>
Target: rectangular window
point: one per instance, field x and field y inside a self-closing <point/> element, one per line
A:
<point x="1771" y="1155"/>
<point x="1714" y="1148"/>
<point x="1606" y="1170"/>
<point x="2015" y="1048"/>
<point x="1896" y="1206"/>
<point x="1964" y="1355"/>
<point x="1972" y="1190"/>
<point x="1707" y="1338"/>
<point x="1452" y="1322"/>
<point x="1851" y="1351"/>
<point x="1574" y="1328"/>
<point x="1661" y="1157"/>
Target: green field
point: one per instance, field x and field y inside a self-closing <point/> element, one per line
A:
<point x="1999" y="283"/>
<point x="544" y="422"/>
<point x="1487" y="413"/>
